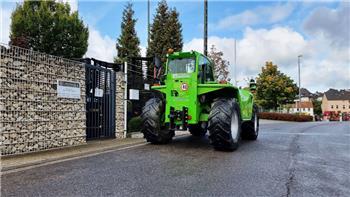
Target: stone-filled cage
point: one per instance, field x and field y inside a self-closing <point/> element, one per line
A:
<point x="32" y="115"/>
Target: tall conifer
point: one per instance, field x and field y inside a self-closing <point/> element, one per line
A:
<point x="174" y="28"/>
<point x="165" y="33"/>
<point x="128" y="42"/>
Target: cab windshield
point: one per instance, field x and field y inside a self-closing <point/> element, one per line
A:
<point x="182" y="65"/>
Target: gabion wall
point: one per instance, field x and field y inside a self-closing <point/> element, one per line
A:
<point x="32" y="117"/>
<point x="119" y="105"/>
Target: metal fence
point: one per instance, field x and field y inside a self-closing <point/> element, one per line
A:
<point x="32" y="116"/>
<point x="139" y="83"/>
<point x="100" y="102"/>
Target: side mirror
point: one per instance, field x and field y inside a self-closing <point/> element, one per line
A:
<point x="157" y="62"/>
<point x="157" y="68"/>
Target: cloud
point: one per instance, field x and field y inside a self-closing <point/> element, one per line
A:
<point x="323" y="66"/>
<point x="334" y="24"/>
<point x="5" y="19"/>
<point x="143" y="51"/>
<point x="100" y="47"/>
<point x="262" y="14"/>
<point x="73" y="4"/>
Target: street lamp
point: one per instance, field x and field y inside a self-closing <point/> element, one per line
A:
<point x="299" y="60"/>
<point x="148" y="21"/>
<point x="205" y="27"/>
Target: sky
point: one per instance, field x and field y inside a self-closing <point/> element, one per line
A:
<point x="276" y="31"/>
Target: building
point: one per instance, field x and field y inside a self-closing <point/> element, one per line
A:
<point x="335" y="102"/>
<point x="318" y="96"/>
<point x="305" y="107"/>
<point x="305" y="94"/>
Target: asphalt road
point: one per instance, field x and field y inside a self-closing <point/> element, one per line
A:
<point x="288" y="159"/>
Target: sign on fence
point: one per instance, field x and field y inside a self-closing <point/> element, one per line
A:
<point x="68" y="89"/>
<point x="98" y="92"/>
<point x="147" y="86"/>
<point x="134" y="94"/>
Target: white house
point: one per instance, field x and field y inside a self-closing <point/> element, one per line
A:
<point x="305" y="107"/>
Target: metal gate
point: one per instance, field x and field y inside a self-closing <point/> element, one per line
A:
<point x="100" y="102"/>
<point x="140" y="82"/>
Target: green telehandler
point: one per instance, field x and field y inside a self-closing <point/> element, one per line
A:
<point x="191" y="99"/>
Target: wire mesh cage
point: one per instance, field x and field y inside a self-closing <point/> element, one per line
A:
<point x="32" y="116"/>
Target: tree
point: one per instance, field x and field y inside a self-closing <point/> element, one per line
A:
<point x="221" y="66"/>
<point x="49" y="27"/>
<point x="128" y="42"/>
<point x="317" y="107"/>
<point x="274" y="88"/>
<point x="165" y="33"/>
<point x="174" y="31"/>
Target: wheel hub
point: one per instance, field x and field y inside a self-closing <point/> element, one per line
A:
<point x="255" y="124"/>
<point x="234" y="127"/>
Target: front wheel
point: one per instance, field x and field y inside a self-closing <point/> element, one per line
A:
<point x="153" y="130"/>
<point x="251" y="128"/>
<point x="224" y="124"/>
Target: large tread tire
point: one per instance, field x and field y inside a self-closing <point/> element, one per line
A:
<point x="250" y="129"/>
<point x="224" y="113"/>
<point x="152" y="114"/>
<point x="197" y="130"/>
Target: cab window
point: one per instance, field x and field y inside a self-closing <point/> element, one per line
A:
<point x="181" y="65"/>
<point x="209" y="72"/>
<point x="205" y="64"/>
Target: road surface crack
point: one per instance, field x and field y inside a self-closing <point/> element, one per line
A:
<point x="294" y="149"/>
<point x="291" y="176"/>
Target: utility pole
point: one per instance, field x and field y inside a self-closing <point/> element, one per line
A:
<point x="205" y="27"/>
<point x="235" y="70"/>
<point x="148" y="21"/>
<point x="299" y="57"/>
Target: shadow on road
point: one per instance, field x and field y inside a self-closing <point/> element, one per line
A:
<point x="192" y="142"/>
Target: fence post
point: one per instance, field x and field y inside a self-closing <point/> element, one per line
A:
<point x="125" y="98"/>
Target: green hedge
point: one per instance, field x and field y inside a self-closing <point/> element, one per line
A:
<point x="134" y="125"/>
<point x="286" y="117"/>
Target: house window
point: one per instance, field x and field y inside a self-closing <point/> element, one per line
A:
<point x="331" y="106"/>
<point x="343" y="106"/>
<point x="308" y="109"/>
<point x="336" y="106"/>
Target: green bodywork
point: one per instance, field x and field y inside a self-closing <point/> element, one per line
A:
<point x="198" y="93"/>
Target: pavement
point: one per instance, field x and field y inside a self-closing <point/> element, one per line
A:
<point x="288" y="159"/>
<point x="15" y="162"/>
<point x="9" y="163"/>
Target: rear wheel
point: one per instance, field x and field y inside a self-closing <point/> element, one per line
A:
<point x="251" y="128"/>
<point x="199" y="129"/>
<point x="152" y="116"/>
<point x="224" y="124"/>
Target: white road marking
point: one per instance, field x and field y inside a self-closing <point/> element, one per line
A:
<point x="310" y="134"/>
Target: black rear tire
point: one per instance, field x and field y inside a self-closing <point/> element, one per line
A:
<point x="198" y="130"/>
<point x="152" y="115"/>
<point x="250" y="129"/>
<point x="224" y="124"/>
